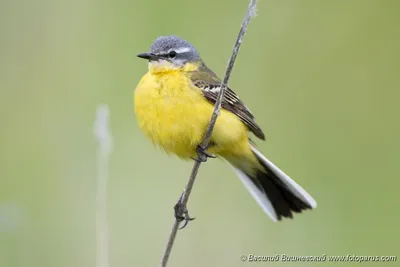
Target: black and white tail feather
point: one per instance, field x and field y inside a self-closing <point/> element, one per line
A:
<point x="274" y="191"/>
<point x="277" y="194"/>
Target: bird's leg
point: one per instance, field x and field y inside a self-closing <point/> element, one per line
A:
<point x="181" y="212"/>
<point x="203" y="154"/>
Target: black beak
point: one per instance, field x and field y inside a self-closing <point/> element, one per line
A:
<point x="148" y="56"/>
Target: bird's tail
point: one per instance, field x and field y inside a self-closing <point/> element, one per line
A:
<point x="277" y="194"/>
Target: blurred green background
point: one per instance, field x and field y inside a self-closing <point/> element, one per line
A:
<point x="322" y="78"/>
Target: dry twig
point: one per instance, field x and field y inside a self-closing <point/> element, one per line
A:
<point x="251" y="11"/>
<point x="103" y="134"/>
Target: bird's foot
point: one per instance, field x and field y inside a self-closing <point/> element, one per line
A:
<point x="203" y="154"/>
<point x="181" y="213"/>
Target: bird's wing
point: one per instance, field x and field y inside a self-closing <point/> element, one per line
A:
<point x="210" y="85"/>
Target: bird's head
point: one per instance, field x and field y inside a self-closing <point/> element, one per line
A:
<point x="168" y="53"/>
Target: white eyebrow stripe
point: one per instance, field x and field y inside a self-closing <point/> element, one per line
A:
<point x="182" y="50"/>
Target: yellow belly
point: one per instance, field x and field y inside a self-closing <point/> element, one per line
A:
<point x="175" y="117"/>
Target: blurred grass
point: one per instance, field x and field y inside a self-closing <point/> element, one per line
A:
<point x="320" y="76"/>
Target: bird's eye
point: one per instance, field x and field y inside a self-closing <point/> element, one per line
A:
<point x="172" y="54"/>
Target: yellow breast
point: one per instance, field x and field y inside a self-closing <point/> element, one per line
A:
<point x="174" y="115"/>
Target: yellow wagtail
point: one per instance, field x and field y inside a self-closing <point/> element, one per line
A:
<point x="173" y="103"/>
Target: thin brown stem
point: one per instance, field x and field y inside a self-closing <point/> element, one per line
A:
<point x="251" y="11"/>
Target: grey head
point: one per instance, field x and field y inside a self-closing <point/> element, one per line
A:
<point x="172" y="49"/>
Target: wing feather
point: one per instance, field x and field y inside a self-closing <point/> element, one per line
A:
<point x="210" y="85"/>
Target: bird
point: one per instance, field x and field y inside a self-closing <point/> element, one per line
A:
<point x="173" y="103"/>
